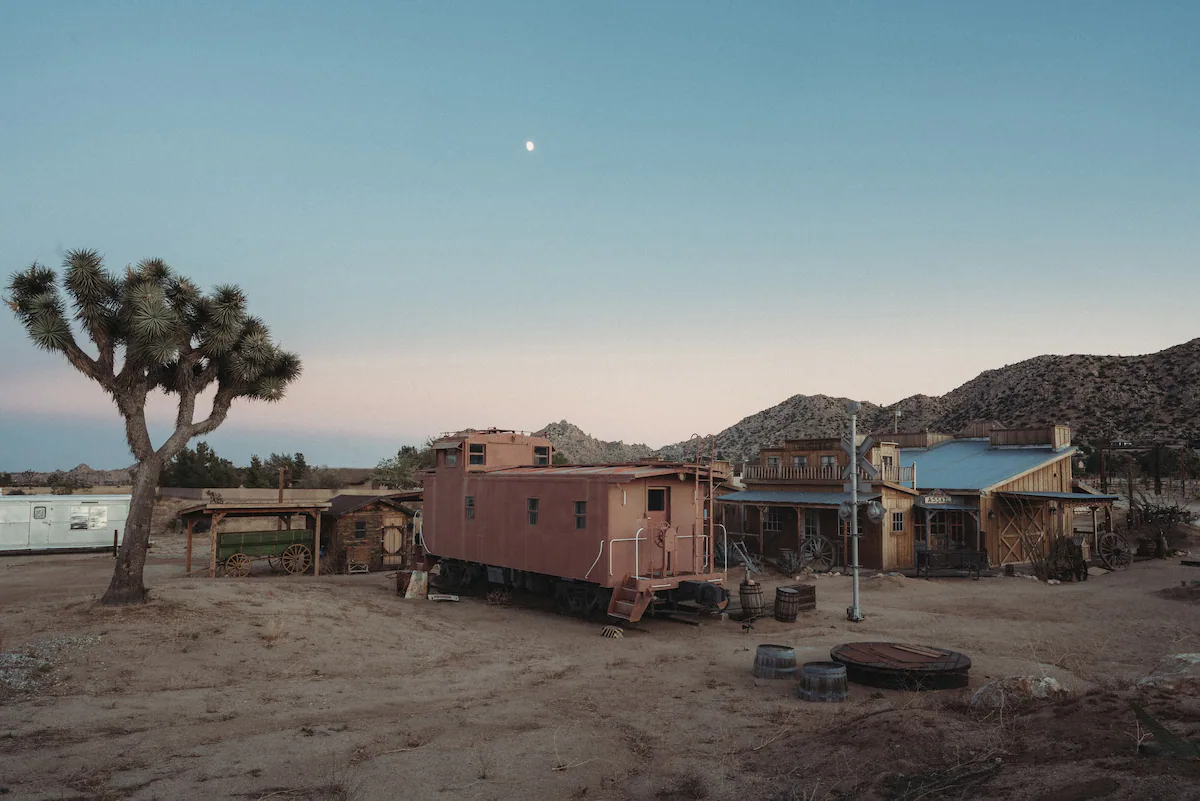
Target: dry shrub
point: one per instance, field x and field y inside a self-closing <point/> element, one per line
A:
<point x="274" y="632"/>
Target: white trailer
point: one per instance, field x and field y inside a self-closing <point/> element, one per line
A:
<point x="31" y="523"/>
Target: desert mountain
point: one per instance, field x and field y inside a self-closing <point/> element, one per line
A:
<point x="580" y="448"/>
<point x="1139" y="398"/>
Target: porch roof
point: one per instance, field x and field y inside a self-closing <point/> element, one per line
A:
<point x="949" y="507"/>
<point x="1082" y="498"/>
<point x="794" y="498"/>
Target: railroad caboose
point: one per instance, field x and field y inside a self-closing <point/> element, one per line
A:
<point x="611" y="536"/>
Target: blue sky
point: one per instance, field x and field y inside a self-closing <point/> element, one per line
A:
<point x="729" y="203"/>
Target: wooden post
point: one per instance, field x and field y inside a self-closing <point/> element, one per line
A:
<point x="316" y="543"/>
<point x="116" y="533"/>
<point x="212" y="557"/>
<point x="191" y="529"/>
<point x="279" y="521"/>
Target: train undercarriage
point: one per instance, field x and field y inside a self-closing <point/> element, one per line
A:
<point x="576" y="598"/>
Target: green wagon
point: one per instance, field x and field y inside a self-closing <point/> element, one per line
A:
<point x="290" y="549"/>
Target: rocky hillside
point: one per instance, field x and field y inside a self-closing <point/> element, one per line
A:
<point x="1138" y="398"/>
<point x="580" y="448"/>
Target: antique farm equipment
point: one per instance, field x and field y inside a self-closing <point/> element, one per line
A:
<point x="775" y="662"/>
<point x="902" y="666"/>
<point x="750" y="594"/>
<point x="1065" y="561"/>
<point x="290" y="549"/>
<point x="823" y="681"/>
<point x="818" y="553"/>
<point x="1114" y="551"/>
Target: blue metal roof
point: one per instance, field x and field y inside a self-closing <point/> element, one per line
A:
<point x="1082" y="497"/>
<point x="798" y="498"/>
<point x="973" y="464"/>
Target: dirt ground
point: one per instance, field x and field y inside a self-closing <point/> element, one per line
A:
<point x="277" y="687"/>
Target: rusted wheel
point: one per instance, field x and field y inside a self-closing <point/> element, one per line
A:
<point x="296" y="558"/>
<point x="237" y="565"/>
<point x="818" y="553"/>
<point x="1114" y="551"/>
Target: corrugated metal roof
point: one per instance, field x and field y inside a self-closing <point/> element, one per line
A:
<point x="609" y="470"/>
<point x="799" y="498"/>
<point x="1081" y="497"/>
<point x="973" y="464"/>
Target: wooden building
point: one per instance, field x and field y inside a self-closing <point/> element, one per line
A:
<point x="368" y="533"/>
<point x="988" y="490"/>
<point x="791" y="503"/>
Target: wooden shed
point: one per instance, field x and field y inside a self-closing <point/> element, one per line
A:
<point x="368" y="533"/>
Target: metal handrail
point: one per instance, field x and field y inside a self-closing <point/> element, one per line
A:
<point x="704" y="565"/>
<point x="598" y="555"/>
<point x="636" y="538"/>
<point x="725" y="546"/>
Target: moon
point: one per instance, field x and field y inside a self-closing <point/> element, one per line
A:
<point x="529" y="146"/>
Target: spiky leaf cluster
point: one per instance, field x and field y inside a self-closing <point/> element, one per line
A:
<point x="170" y="334"/>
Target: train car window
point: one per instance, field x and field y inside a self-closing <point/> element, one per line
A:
<point x="470" y="507"/>
<point x="477" y="455"/>
<point x="580" y="514"/>
<point x="451" y="458"/>
<point x="39" y="513"/>
<point x="532" y="507"/>
<point x="541" y="455"/>
<point x="656" y="500"/>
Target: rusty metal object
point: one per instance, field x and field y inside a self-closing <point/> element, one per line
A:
<point x="902" y="666"/>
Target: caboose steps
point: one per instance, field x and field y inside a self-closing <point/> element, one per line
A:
<point x="630" y="600"/>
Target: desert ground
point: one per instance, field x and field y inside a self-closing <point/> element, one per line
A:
<point x="275" y="687"/>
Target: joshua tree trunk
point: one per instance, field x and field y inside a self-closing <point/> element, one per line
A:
<point x="126" y="586"/>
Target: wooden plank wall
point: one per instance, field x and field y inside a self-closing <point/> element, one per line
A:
<point x="898" y="546"/>
<point x="1054" y="477"/>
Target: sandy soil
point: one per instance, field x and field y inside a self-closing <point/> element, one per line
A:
<point x="283" y="688"/>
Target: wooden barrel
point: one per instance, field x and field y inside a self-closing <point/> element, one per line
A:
<point x="775" y="662"/>
<point x="823" y="681"/>
<point x="787" y="604"/>
<point x="751" y="597"/>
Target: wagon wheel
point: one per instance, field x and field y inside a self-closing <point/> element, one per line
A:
<point x="296" y="558"/>
<point x="818" y="553"/>
<point x="237" y="565"/>
<point x="1114" y="551"/>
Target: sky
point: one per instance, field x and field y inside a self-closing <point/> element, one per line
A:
<point x="728" y="203"/>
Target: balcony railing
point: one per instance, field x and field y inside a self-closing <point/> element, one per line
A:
<point x="894" y="474"/>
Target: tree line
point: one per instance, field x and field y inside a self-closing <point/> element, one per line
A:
<point x="203" y="467"/>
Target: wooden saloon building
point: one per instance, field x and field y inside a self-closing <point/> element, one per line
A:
<point x="989" y="491"/>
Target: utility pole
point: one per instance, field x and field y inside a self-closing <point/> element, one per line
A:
<point x="1132" y="506"/>
<point x="854" y="613"/>
<point x="1158" y="469"/>
<point x="279" y="520"/>
<point x="1103" y="469"/>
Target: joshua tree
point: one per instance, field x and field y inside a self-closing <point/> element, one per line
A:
<point x="152" y="331"/>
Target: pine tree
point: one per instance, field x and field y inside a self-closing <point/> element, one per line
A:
<point x="152" y="331"/>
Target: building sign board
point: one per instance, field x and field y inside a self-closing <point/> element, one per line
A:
<point x="936" y="498"/>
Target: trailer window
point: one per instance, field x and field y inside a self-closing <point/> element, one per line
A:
<point x="532" y="508"/>
<point x="656" y="500"/>
<point x="580" y="514"/>
<point x="39" y="513"/>
<point x="541" y="455"/>
<point x="477" y="454"/>
<point x="470" y="507"/>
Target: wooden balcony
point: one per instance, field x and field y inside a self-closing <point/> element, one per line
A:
<point x="753" y="472"/>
